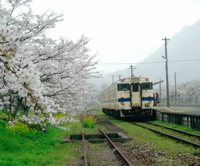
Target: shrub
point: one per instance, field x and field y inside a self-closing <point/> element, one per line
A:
<point x="88" y="121"/>
<point x="20" y="129"/>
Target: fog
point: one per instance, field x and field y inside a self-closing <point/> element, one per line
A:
<point x="121" y="31"/>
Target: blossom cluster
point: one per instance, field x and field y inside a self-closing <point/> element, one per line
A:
<point x="33" y="119"/>
<point x="8" y="42"/>
<point x="31" y="81"/>
<point x="54" y="121"/>
<point x="42" y="121"/>
<point x="20" y="75"/>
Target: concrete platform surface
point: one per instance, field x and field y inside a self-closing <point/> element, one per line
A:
<point x="182" y="110"/>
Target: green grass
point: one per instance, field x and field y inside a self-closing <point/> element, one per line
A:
<point x="101" y="114"/>
<point x="93" y="108"/>
<point x="179" y="127"/>
<point x="174" y="133"/>
<point x="41" y="149"/>
<point x="89" y="130"/>
<point x="146" y="139"/>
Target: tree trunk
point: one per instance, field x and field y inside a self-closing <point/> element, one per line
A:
<point x="26" y="111"/>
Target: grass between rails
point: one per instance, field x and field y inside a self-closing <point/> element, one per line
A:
<point x="100" y="155"/>
<point x="174" y="133"/>
<point x="149" y="140"/>
<point x="179" y="127"/>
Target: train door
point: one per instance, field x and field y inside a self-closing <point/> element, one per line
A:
<point x="135" y="95"/>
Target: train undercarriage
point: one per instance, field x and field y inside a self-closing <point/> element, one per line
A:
<point x="134" y="114"/>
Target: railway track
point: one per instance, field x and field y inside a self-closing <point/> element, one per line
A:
<point x="171" y="136"/>
<point x="84" y="145"/>
<point x="120" y="157"/>
<point x="180" y="131"/>
<point x="116" y="151"/>
<point x="134" y="154"/>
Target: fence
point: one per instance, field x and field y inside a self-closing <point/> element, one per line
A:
<point x="182" y="102"/>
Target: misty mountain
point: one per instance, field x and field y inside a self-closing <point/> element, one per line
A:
<point x="183" y="51"/>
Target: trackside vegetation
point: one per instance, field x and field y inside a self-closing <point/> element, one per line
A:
<point x="146" y="139"/>
<point x="179" y="127"/>
<point x="23" y="146"/>
<point x="89" y="121"/>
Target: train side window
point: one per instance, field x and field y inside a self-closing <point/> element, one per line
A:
<point x="123" y="87"/>
<point x="135" y="88"/>
<point x="147" y="86"/>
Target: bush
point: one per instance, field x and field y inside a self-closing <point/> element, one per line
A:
<point x="89" y="121"/>
<point x="19" y="128"/>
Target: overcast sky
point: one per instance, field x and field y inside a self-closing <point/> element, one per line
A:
<point x="122" y="31"/>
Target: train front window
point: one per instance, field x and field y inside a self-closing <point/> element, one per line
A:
<point x="123" y="87"/>
<point x="135" y="88"/>
<point x="147" y="86"/>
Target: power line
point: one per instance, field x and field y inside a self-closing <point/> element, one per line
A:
<point x="188" y="60"/>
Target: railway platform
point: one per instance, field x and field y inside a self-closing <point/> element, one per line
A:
<point x="179" y="110"/>
<point x="187" y="116"/>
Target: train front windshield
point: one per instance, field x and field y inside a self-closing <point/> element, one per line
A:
<point x="123" y="87"/>
<point x="147" y="86"/>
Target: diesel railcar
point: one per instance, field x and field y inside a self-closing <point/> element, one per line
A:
<point x="128" y="97"/>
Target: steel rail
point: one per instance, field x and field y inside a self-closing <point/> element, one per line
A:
<point x="84" y="149"/>
<point x="180" y="131"/>
<point x="170" y="136"/>
<point x="116" y="150"/>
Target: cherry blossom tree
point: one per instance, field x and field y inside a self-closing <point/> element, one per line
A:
<point x="20" y="82"/>
<point x="65" y="71"/>
<point x="189" y="89"/>
<point x="38" y="73"/>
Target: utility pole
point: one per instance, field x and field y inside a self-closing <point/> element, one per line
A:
<point x="175" y="87"/>
<point x="132" y="75"/>
<point x="120" y="76"/>
<point x="166" y="68"/>
<point x="113" y="78"/>
<point x="160" y="90"/>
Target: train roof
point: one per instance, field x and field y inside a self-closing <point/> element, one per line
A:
<point x="135" y="79"/>
<point x="127" y="80"/>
